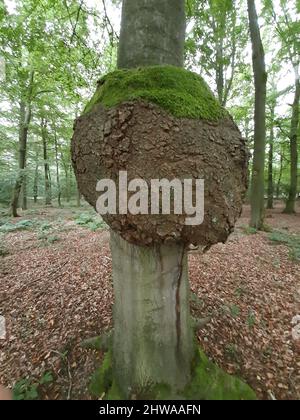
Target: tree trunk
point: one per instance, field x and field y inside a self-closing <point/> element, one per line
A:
<point x="78" y="198"/>
<point x="260" y="80"/>
<point x="152" y="334"/>
<point x="46" y="164"/>
<point x="280" y="175"/>
<point x="220" y="71"/>
<point x="25" y="117"/>
<point x="36" y="180"/>
<point x="57" y="170"/>
<point x="152" y="33"/>
<point x="291" y="201"/>
<point x="24" y="192"/>
<point x="270" y="204"/>
<point x="152" y="331"/>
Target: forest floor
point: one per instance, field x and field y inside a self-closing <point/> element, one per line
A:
<point x="55" y="273"/>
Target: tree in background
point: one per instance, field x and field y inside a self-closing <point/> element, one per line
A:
<point x="260" y="81"/>
<point x="216" y="42"/>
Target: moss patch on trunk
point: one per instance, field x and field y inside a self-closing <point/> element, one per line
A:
<point x="209" y="382"/>
<point x="179" y="91"/>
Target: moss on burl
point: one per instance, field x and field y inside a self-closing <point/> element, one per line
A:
<point x="182" y="93"/>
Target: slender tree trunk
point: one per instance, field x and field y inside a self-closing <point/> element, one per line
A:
<point x="291" y="201"/>
<point x="260" y="80"/>
<point x="24" y="192"/>
<point x="46" y="164"/>
<point x="35" y="181"/>
<point x="152" y="336"/>
<point x="270" y="162"/>
<point x="279" y="175"/>
<point x="25" y="117"/>
<point x="57" y="169"/>
<point x="220" y="71"/>
<point x="78" y="198"/>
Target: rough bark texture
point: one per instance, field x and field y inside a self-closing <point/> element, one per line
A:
<point x="260" y="80"/>
<point x="153" y="342"/>
<point x="155" y="37"/>
<point x="290" y="205"/>
<point x="150" y="143"/>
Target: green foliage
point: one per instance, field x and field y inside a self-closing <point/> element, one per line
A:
<point x="21" y="225"/>
<point x="182" y="93"/>
<point x="92" y="222"/>
<point x="251" y="320"/>
<point x="234" y="311"/>
<point x="27" y="389"/>
<point x="248" y="230"/>
<point x="209" y="382"/>
<point x="290" y="240"/>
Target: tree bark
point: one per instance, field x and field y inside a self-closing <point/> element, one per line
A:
<point x="57" y="169"/>
<point x="46" y="164"/>
<point x="270" y="204"/>
<point x="25" y="117"/>
<point x="152" y="334"/>
<point x="279" y="175"/>
<point x="35" y="181"/>
<point x="291" y="201"/>
<point x="24" y="192"/>
<point x="260" y="81"/>
<point x="152" y="330"/>
<point x="78" y="198"/>
<point x="151" y="33"/>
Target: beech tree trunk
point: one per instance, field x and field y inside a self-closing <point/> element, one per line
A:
<point x="280" y="174"/>
<point x="291" y="201"/>
<point x="46" y="164"/>
<point x="24" y="192"/>
<point x="152" y="330"/>
<point x="35" y="181"/>
<point x="25" y="117"/>
<point x="260" y="81"/>
<point x="270" y="162"/>
<point x="57" y="170"/>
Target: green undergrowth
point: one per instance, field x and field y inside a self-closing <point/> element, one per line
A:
<point x="292" y="241"/>
<point x="209" y="382"/>
<point x="178" y="91"/>
<point x="92" y="222"/>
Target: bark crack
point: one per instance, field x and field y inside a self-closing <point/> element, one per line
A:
<point x="177" y="308"/>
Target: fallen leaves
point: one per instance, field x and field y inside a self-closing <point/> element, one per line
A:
<point x="55" y="297"/>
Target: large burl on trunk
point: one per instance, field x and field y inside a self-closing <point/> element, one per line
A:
<point x="148" y="141"/>
<point x="160" y="122"/>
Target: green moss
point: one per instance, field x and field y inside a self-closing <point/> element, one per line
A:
<point x="102" y="382"/>
<point x="102" y="378"/>
<point x="178" y="91"/>
<point x="211" y="383"/>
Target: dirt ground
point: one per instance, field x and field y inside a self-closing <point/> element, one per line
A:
<point x="56" y="291"/>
